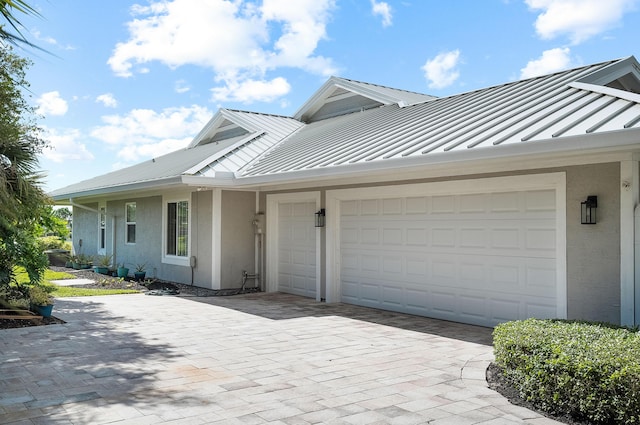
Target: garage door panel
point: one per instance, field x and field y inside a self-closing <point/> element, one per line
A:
<point x="478" y="258"/>
<point x="472" y="308"/>
<point x="368" y="207"/>
<point x="502" y="310"/>
<point x="393" y="297"/>
<point x="539" y="310"/>
<point x="370" y="293"/>
<point x="297" y="248"/>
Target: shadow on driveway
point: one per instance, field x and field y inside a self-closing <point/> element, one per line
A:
<point x="279" y="306"/>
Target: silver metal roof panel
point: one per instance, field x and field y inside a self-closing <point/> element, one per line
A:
<point x="547" y="107"/>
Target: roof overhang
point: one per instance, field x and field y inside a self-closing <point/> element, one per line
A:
<point x="119" y="190"/>
<point x="538" y="154"/>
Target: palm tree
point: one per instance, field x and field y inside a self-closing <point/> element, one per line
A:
<point x="22" y="199"/>
<point x="8" y="9"/>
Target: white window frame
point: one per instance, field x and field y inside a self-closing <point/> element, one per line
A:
<point x="102" y="227"/>
<point x="128" y="223"/>
<point x="175" y="259"/>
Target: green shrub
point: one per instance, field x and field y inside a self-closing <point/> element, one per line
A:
<point x="50" y="242"/>
<point x="590" y="371"/>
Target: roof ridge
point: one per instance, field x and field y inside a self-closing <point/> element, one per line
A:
<point x="257" y="113"/>
<point x="565" y="71"/>
<point x="383" y="86"/>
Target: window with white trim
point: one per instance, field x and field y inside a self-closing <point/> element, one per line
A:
<point x="130" y="222"/>
<point x="177" y="236"/>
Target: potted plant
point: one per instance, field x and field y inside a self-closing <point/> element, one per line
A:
<point x="75" y="262"/>
<point x="104" y="262"/>
<point x="122" y="270"/>
<point x="41" y="301"/>
<point x="140" y="272"/>
<point x="84" y="261"/>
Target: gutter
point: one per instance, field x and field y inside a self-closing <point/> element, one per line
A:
<point x="163" y="182"/>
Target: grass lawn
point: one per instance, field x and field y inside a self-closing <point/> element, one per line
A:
<point x="67" y="291"/>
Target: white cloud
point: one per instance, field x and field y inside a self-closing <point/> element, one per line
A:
<point x="384" y="10"/>
<point x="144" y="132"/>
<point x="249" y="91"/>
<point x="51" y="103"/>
<point x="551" y="60"/>
<point x="107" y="100"/>
<point x="181" y="86"/>
<point x="578" y="19"/>
<point x="50" y="40"/>
<point x="65" y="145"/>
<point x="240" y="41"/>
<point x="441" y="71"/>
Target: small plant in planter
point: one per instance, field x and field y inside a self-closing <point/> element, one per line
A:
<point x="104" y="262"/>
<point x="84" y="261"/>
<point x="41" y="301"/>
<point x="140" y="272"/>
<point x="123" y="271"/>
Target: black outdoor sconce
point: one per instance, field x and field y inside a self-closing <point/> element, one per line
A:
<point x="588" y="210"/>
<point x="320" y="218"/>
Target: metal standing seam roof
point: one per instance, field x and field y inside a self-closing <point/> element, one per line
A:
<point x="227" y="155"/>
<point x="248" y="144"/>
<point x="547" y="107"/>
<point x="273" y="129"/>
<point x="347" y="92"/>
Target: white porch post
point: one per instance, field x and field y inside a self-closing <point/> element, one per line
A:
<point x="629" y="179"/>
<point x="216" y="248"/>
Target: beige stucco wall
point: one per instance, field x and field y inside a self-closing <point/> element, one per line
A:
<point x="201" y="237"/>
<point x="237" y="237"/>
<point x="593" y="251"/>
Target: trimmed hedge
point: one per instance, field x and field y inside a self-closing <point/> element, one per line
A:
<point x="590" y="371"/>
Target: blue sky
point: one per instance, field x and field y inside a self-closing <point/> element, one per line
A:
<point x="130" y="80"/>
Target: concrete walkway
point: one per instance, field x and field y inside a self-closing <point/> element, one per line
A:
<point x="249" y="359"/>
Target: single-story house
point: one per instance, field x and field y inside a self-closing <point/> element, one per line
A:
<point x="467" y="208"/>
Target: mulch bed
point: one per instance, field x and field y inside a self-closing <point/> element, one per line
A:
<point x="25" y="323"/>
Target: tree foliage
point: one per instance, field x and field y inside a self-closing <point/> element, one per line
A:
<point x="22" y="200"/>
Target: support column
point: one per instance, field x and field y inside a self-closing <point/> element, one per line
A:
<point x="629" y="183"/>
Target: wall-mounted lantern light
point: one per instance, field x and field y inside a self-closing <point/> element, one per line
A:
<point x="588" y="210"/>
<point x="320" y="218"/>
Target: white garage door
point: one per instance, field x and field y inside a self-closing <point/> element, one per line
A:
<point x="480" y="258"/>
<point x="297" y="248"/>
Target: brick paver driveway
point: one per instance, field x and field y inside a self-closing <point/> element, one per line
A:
<point x="250" y="359"/>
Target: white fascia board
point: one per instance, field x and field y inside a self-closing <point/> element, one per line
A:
<point x="613" y="71"/>
<point x="316" y="101"/>
<point x="216" y="121"/>
<point x="609" y="91"/>
<point x="318" y="97"/>
<point x="223" y="152"/>
<point x="201" y="181"/>
<point x="213" y="122"/>
<point x="127" y="187"/>
<point x="582" y="144"/>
